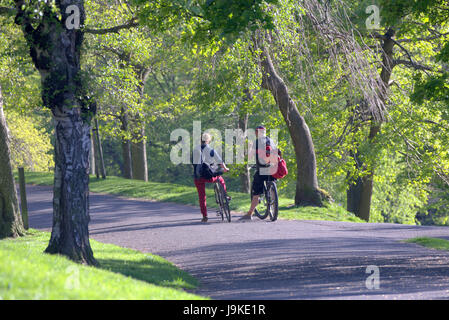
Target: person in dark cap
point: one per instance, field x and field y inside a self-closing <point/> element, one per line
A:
<point x="262" y="149"/>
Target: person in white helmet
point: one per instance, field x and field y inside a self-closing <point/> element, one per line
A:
<point x="206" y="154"/>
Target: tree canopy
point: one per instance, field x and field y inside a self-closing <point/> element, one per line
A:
<point x="360" y="105"/>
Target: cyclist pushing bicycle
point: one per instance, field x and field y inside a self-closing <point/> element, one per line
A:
<point x="264" y="151"/>
<point x="207" y="168"/>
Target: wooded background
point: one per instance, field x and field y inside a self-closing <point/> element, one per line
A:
<point x="362" y="112"/>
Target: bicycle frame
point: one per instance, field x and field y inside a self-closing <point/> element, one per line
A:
<point x="270" y="204"/>
<point x="222" y="201"/>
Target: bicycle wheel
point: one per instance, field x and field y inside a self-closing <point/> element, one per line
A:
<point x="256" y="212"/>
<point x="218" y="200"/>
<point x="272" y="201"/>
<point x="224" y="204"/>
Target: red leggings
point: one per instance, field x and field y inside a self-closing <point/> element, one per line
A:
<point x="200" y="185"/>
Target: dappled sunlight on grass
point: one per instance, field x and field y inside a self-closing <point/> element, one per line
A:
<point x="330" y="212"/>
<point x="28" y="273"/>
<point x="433" y="243"/>
<point x="144" y="267"/>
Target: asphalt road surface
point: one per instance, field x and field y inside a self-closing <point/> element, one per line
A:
<point x="269" y="260"/>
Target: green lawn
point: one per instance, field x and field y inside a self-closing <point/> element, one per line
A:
<point x="434" y="243"/>
<point x="28" y="273"/>
<point x="188" y="195"/>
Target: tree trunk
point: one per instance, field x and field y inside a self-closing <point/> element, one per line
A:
<point x="55" y="51"/>
<point x="135" y="162"/>
<point x="359" y="193"/>
<point x="244" y="176"/>
<point x="126" y="146"/>
<point x="95" y="153"/>
<point x="101" y="166"/>
<point x="139" y="144"/>
<point x="10" y="220"/>
<point x="93" y="165"/>
<point x="307" y="191"/>
<point x="70" y="234"/>
<point x="139" y="156"/>
<point x="127" y="160"/>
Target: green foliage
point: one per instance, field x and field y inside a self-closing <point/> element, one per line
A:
<point x="197" y="61"/>
<point x="329" y="105"/>
<point x="232" y="17"/>
<point x="19" y="80"/>
<point x="433" y="88"/>
<point x="396" y="199"/>
<point x="30" y="145"/>
<point x="429" y="21"/>
<point x="30" y="141"/>
<point x="436" y="211"/>
<point x="206" y="19"/>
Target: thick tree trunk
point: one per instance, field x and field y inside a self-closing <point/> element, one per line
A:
<point x="307" y="191"/>
<point x="126" y="147"/>
<point x="55" y="51"/>
<point x="360" y="191"/>
<point x="10" y="220"/>
<point x="245" y="175"/>
<point x="70" y="234"/>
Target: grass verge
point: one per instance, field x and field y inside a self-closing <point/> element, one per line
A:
<point x="170" y="192"/>
<point x="28" y="273"/>
<point x="434" y="243"/>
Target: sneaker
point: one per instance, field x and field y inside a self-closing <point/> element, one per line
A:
<point x="228" y="197"/>
<point x="204" y="219"/>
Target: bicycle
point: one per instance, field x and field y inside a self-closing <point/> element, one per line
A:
<point x="222" y="201"/>
<point x="270" y="200"/>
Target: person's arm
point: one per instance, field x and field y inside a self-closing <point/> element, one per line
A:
<point x="218" y="160"/>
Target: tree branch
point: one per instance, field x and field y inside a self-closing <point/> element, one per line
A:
<point x="120" y="54"/>
<point x="130" y="24"/>
<point x="158" y="82"/>
<point x="411" y="64"/>
<point x="423" y="39"/>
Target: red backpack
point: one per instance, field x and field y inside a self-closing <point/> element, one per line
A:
<point x="282" y="170"/>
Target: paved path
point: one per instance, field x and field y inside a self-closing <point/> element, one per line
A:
<point x="266" y="260"/>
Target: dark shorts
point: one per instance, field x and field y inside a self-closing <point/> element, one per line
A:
<point x="258" y="180"/>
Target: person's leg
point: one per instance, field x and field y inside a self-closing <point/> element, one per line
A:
<point x="254" y="203"/>
<point x="256" y="190"/>
<point x="221" y="181"/>
<point x="201" y="188"/>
